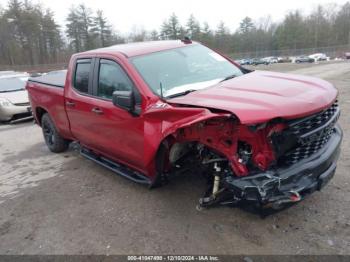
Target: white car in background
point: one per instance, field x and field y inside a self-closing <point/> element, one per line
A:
<point x="14" y="101"/>
<point x="319" y="57"/>
<point x="270" y="59"/>
<point x="8" y="74"/>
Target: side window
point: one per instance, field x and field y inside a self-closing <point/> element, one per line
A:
<point x="81" y="78"/>
<point x="112" y="78"/>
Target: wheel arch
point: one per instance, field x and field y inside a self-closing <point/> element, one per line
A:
<point x="39" y="112"/>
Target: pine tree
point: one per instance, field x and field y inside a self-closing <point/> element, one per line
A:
<point x="207" y="36"/>
<point x="246" y="25"/>
<point x="73" y="30"/>
<point x="85" y="25"/>
<point x="101" y="29"/>
<point x="193" y="29"/>
<point x="171" y="29"/>
<point x="222" y="37"/>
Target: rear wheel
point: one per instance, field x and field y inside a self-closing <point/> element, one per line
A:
<point x="54" y="141"/>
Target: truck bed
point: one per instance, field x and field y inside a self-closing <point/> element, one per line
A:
<point x="54" y="78"/>
<point x="46" y="93"/>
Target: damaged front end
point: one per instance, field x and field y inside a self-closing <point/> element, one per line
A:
<point x="268" y="165"/>
<point x="287" y="184"/>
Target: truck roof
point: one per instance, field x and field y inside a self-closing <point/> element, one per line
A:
<point x="141" y="48"/>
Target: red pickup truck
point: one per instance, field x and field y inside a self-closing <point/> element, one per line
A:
<point x="149" y="111"/>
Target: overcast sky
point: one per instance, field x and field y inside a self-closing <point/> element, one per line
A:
<point x="149" y="14"/>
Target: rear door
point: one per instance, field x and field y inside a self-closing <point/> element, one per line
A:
<point x="78" y="99"/>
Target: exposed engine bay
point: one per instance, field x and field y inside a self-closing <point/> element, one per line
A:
<point x="271" y="164"/>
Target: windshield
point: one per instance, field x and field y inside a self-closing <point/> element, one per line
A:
<point x="184" y="69"/>
<point x="12" y="84"/>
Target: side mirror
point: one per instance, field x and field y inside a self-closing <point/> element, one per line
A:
<point x="124" y="100"/>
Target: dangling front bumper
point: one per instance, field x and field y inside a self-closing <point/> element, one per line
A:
<point x="274" y="188"/>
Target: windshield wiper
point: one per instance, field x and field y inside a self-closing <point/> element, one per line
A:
<point x="181" y="93"/>
<point x="228" y="78"/>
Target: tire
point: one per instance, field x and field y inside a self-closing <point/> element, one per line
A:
<point x="161" y="178"/>
<point x="53" y="140"/>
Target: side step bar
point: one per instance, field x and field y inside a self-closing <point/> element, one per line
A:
<point x="115" y="167"/>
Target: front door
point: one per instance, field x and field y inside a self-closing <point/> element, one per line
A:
<point x="99" y="124"/>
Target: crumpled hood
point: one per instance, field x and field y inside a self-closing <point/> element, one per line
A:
<point x="16" y="97"/>
<point x="260" y="96"/>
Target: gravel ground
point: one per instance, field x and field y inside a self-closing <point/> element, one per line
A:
<point x="65" y="204"/>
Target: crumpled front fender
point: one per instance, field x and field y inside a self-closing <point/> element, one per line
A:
<point x="162" y="120"/>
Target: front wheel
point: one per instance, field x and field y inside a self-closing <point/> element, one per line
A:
<point x="54" y="141"/>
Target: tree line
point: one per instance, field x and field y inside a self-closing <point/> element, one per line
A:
<point x="30" y="35"/>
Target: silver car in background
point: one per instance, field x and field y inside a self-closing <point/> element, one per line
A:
<point x="14" y="101"/>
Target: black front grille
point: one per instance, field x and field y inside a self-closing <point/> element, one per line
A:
<point x="308" y="124"/>
<point x="306" y="150"/>
<point x="308" y="135"/>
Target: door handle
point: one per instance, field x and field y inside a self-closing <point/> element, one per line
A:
<point x="97" y="111"/>
<point x="70" y="104"/>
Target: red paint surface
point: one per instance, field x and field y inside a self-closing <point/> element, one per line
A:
<point x="253" y="98"/>
<point x="260" y="96"/>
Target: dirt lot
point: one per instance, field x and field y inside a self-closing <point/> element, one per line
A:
<point x="65" y="204"/>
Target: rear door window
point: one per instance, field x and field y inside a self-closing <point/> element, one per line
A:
<point x="82" y="75"/>
<point x="112" y="78"/>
